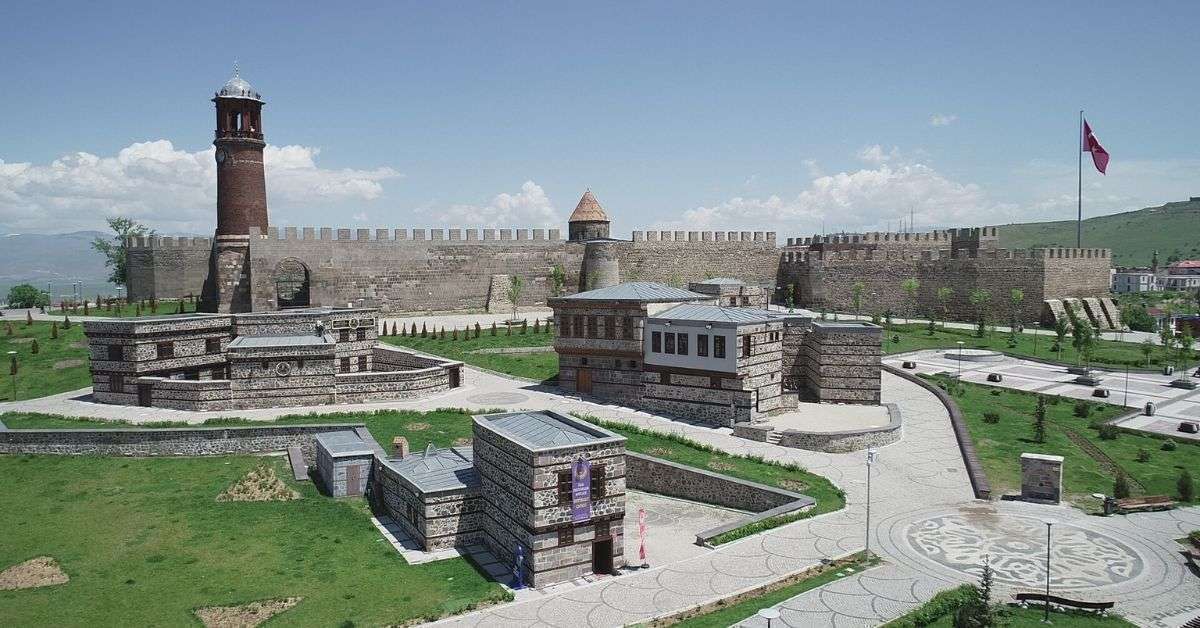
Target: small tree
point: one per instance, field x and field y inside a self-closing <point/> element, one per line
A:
<point x="442" y="336"/>
<point x="1184" y="343"/>
<point x="516" y="284"/>
<point x="508" y="330"/>
<point x="558" y="279"/>
<point x="476" y="329"/>
<point x="403" y="329"/>
<point x="856" y="295"/>
<point x="454" y="334"/>
<point x="523" y="328"/>
<point x="493" y="328"/>
<point x="977" y="611"/>
<point x="54" y="330"/>
<point x="66" y="322"/>
<point x="1016" y="296"/>
<point x="1185" y="486"/>
<point x="1083" y="338"/>
<point x="979" y="298"/>
<point x="1121" y="486"/>
<point x="115" y="250"/>
<point x="943" y="296"/>
<point x="8" y="330"/>
<point x="423" y="332"/>
<point x="29" y="319"/>
<point x="26" y="296"/>
<point x="33" y="347"/>
<point x="791" y="297"/>
<point x="85" y="308"/>
<point x="537" y="326"/>
<point x="1039" y="420"/>
<point x="910" y="287"/>
<point x="1166" y="337"/>
<point x="1147" y="350"/>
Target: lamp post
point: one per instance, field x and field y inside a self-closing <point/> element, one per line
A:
<point x="872" y="454"/>
<point x="1126" y="402"/>
<point x="769" y="613"/>
<point x="960" y="344"/>
<point x="1046" y="617"/>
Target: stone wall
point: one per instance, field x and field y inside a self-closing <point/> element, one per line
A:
<point x="844" y="441"/>
<point x="680" y="257"/>
<point x="842" y="362"/>
<point x="336" y="473"/>
<point x="437" y="519"/>
<point x="185" y="441"/>
<point x="655" y="475"/>
<point x="1041" y="478"/>
<point x="167" y="268"/>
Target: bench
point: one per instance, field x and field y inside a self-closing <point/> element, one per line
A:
<point x="1193" y="557"/>
<point x="1145" y="504"/>
<point x="1025" y="599"/>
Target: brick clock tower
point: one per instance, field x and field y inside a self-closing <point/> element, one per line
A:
<point x="241" y="195"/>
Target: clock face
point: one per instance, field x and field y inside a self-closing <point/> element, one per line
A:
<point x="220" y="155"/>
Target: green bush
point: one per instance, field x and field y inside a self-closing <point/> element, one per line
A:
<point x="991" y="417"/>
<point x="1083" y="409"/>
<point x="1186" y="486"/>
<point x="26" y="296"/>
<point x="1169" y="445"/>
<point x="1108" y="431"/>
<point x="1121" y="486"/>
<point x="1143" y="455"/>
<point x="941" y="605"/>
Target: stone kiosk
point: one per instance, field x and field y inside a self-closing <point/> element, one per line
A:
<point x="1041" y="478"/>
<point x="343" y="463"/>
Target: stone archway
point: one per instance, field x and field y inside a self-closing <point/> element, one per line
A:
<point x="291" y="284"/>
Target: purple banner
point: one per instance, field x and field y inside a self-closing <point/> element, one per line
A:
<point x="581" y="491"/>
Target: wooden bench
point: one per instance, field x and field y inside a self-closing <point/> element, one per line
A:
<point x="1145" y="504"/>
<point x="1031" y="598"/>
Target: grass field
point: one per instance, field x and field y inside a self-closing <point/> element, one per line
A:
<point x="539" y="366"/>
<point x="1107" y="353"/>
<point x="125" y="310"/>
<point x="939" y="613"/>
<point x="1001" y="444"/>
<point x="59" y="365"/>
<point x="144" y="543"/>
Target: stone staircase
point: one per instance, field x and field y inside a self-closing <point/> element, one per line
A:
<point x="773" y="437"/>
<point x="497" y="299"/>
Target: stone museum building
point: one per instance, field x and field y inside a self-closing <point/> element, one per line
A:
<point x="251" y="266"/>
<point x="297" y="357"/>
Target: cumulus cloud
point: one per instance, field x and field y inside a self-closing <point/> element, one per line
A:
<point x="942" y="119"/>
<point x="530" y="207"/>
<point x="171" y="189"/>
<point x="875" y="154"/>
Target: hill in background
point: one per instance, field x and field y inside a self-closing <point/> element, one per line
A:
<point x="1172" y="229"/>
<point x="57" y="260"/>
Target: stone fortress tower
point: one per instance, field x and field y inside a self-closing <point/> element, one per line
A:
<point x="241" y="194"/>
<point x="251" y="266"/>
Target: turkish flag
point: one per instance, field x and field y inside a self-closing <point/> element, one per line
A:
<point x="1092" y="145"/>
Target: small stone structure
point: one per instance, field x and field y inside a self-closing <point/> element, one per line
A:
<point x="343" y="463"/>
<point x="1041" y="478"/>
<point x="732" y="292"/>
<point x="307" y="356"/>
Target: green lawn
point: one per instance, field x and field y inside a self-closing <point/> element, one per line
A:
<point x="1108" y="352"/>
<point x="939" y="613"/>
<point x="729" y="615"/>
<point x="1000" y="445"/>
<point x="144" y="543"/>
<point x="52" y="369"/>
<point x="539" y="366"/>
<point x="124" y="310"/>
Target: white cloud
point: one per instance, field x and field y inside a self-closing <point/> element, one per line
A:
<point x="875" y="154"/>
<point x="942" y="119"/>
<point x="528" y="208"/>
<point x="167" y="188"/>
<point x="812" y="168"/>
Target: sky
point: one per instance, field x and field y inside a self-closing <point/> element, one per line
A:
<point x="795" y="117"/>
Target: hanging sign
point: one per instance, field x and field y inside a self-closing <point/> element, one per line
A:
<point x="581" y="490"/>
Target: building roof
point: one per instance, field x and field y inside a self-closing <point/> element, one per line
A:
<point x="643" y="291"/>
<point x="307" y="340"/>
<point x="722" y="281"/>
<point x="237" y="87"/>
<point x="344" y="443"/>
<point x="588" y="210"/>
<point x="544" y="430"/>
<point x="438" y="469"/>
<point x="716" y="314"/>
<point x="1187" y="263"/>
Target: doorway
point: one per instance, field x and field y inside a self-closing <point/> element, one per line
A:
<point x="602" y="556"/>
<point x="583" y="382"/>
<point x="454" y="377"/>
<point x="144" y="395"/>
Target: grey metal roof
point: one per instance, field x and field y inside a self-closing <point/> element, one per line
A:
<point x="438" y="469"/>
<point x="307" y="340"/>
<point x="716" y="314"/>
<point x="722" y="281"/>
<point x="541" y="430"/>
<point x="645" y="291"/>
<point x="237" y="87"/>
<point x="344" y="443"/>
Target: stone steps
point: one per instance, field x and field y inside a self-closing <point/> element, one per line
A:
<point x="299" y="467"/>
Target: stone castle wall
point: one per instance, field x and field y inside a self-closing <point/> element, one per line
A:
<point x="167" y="268"/>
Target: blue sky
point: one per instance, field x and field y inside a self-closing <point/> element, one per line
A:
<point x="786" y="116"/>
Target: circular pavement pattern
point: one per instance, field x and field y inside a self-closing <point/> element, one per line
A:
<point x="1015" y="546"/>
<point x="499" y="398"/>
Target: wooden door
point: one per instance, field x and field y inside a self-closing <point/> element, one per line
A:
<point x="602" y="556"/>
<point x="354" y="479"/>
<point x="144" y="394"/>
<point x="583" y="382"/>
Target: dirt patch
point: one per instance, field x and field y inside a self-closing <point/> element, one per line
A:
<point x="793" y="485"/>
<point x="78" y="344"/>
<point x="42" y="571"/>
<point x="66" y="364"/>
<point x="417" y="427"/>
<point x="21" y="341"/>
<point x="259" y="485"/>
<point x="246" y="615"/>
<point x="462" y="442"/>
<point x="719" y="465"/>
<point x="661" y="452"/>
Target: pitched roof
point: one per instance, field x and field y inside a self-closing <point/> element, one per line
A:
<point x="1187" y="263"/>
<point x="542" y="430"/>
<point x="722" y="281"/>
<point x="717" y="314"/>
<point x="588" y="209"/>
<point x="438" y="469"/>
<point x="645" y="291"/>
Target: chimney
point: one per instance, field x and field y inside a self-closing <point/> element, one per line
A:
<point x="400" y="447"/>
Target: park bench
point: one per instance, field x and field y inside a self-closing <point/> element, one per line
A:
<point x="1145" y="504"/>
<point x="1033" y="599"/>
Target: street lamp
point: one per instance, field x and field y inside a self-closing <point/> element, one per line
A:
<point x="872" y="455"/>
<point x="769" y="614"/>
<point x="1046" y="617"/>
<point x="960" y="344"/>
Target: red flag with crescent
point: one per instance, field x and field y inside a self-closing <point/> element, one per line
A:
<point x="1092" y="145"/>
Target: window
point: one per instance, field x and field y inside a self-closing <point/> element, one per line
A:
<point x="656" y="341"/>
<point x="746" y="346"/>
<point x="610" y="327"/>
<point x="212" y="345"/>
<point x="583" y="361"/>
<point x="702" y="345"/>
<point x="602" y="530"/>
<point x="732" y="300"/>
<point x="745" y="300"/>
<point x="592" y="322"/>
<point x="579" y="331"/>
<point x="362" y="363"/>
<point x="683" y="344"/>
<point x="115" y="353"/>
<point x="343" y="335"/>
<point x="116" y="383"/>
<point x="345" y="365"/>
<point x="719" y="347"/>
<point x="361" y="334"/>
<point x="633" y="364"/>
<point x="564" y="487"/>
<point x="566" y="536"/>
<point x="627" y="328"/>
<point x="669" y="345"/>
<point x="597" y="487"/>
<point x="564" y="330"/>
<point x="166" y="350"/>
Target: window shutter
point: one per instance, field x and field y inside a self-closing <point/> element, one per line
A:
<point x="597" y="487"/>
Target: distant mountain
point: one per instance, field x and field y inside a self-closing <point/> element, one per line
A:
<point x="1172" y="229"/>
<point x="58" y="259"/>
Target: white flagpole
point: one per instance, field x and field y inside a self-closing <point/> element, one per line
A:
<point x="1079" y="218"/>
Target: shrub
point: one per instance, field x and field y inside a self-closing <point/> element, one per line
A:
<point x="33" y="346"/>
<point x="26" y="296"/>
<point x="493" y="328"/>
<point x="66" y="322"/>
<point x="424" y="332"/>
<point x="896" y="339"/>
<point x="523" y="326"/>
<point x="1108" y="431"/>
<point x="996" y="392"/>
<point x="537" y="326"/>
<point x="1083" y="409"/>
<point x="476" y="329"/>
<point x="1169" y="445"/>
<point x="54" y="330"/>
<point x="991" y="417"/>
<point x="1186" y="487"/>
<point x="1121" y="486"/>
<point x="1143" y="455"/>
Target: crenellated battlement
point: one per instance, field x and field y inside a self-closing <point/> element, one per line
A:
<point x="168" y="242"/>
<point x="888" y="255"/>
<point x="883" y="238"/>
<point x="452" y="235"/>
<point x="704" y="236"/>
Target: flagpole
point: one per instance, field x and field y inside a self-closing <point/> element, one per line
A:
<point x="1079" y="198"/>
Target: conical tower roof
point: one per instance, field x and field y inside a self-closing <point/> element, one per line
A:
<point x="588" y="210"/>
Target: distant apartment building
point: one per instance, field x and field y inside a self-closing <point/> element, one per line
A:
<point x="1125" y="280"/>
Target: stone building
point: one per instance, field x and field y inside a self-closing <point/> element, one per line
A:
<point x="732" y="292"/>
<point x="674" y="351"/>
<point x="540" y="487"/>
<point x="343" y="463"/>
<point x="300" y="357"/>
<point x="250" y="265"/>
